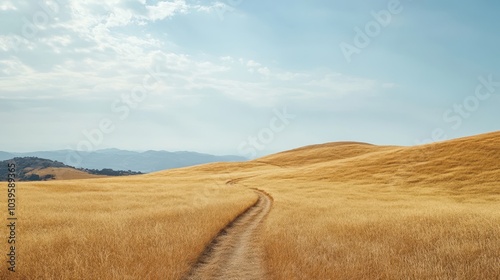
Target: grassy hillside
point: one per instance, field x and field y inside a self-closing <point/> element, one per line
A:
<point x="355" y="211"/>
<point x="40" y="169"/>
<point x="64" y="173"/>
<point x="341" y="211"/>
<point x="358" y="211"/>
<point x="135" y="227"/>
<point x="462" y="163"/>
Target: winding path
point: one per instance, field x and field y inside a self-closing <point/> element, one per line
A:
<point x="235" y="253"/>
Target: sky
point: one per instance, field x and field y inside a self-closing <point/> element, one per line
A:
<point x="245" y="77"/>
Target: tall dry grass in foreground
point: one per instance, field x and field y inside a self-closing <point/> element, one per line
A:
<point x="340" y="211"/>
<point x="144" y="227"/>
<point x="319" y="231"/>
<point x="358" y="211"/>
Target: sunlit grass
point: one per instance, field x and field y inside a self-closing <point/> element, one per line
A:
<point x="340" y="211"/>
<point x="147" y="227"/>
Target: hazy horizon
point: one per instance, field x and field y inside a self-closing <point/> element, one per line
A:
<point x="105" y="149"/>
<point x="246" y="78"/>
<point x="236" y="154"/>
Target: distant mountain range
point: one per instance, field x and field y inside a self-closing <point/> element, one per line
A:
<point x="116" y="159"/>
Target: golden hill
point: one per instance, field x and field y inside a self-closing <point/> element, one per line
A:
<point x="65" y="173"/>
<point x="460" y="163"/>
<point x="341" y="211"/>
<point x="462" y="148"/>
<point x="456" y="163"/>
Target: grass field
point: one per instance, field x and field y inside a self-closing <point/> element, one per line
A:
<point x="340" y="211"/>
<point x="65" y="173"/>
<point x="335" y="233"/>
<point x="126" y="228"/>
<point x="358" y="211"/>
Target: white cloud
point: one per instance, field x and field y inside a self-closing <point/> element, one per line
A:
<point x="94" y="59"/>
<point x="119" y="17"/>
<point x="57" y="43"/>
<point x="253" y="64"/>
<point x="264" y="71"/>
<point x="5" y="43"/>
<point x="166" y="9"/>
<point x="93" y="52"/>
<point x="7" y="5"/>
<point x="217" y="7"/>
<point x="14" y="67"/>
<point x="227" y="59"/>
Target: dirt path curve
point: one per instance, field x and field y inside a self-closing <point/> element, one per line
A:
<point x="235" y="252"/>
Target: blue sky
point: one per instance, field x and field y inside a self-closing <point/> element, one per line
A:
<point x="245" y="77"/>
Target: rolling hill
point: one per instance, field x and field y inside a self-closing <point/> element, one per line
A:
<point x="455" y="163"/>
<point x="335" y="211"/>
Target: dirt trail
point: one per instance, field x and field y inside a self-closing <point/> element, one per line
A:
<point x="235" y="253"/>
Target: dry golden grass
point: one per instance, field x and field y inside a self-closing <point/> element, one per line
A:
<point x="320" y="231"/>
<point x="340" y="211"/>
<point x="358" y="211"/>
<point x="141" y="227"/>
<point x="429" y="212"/>
<point x="65" y="173"/>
